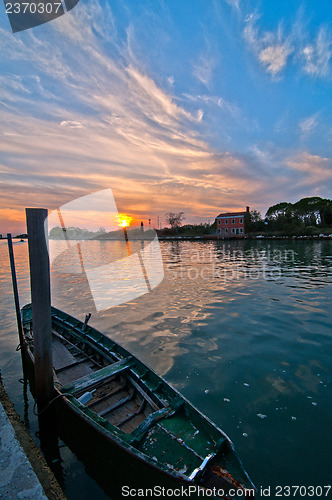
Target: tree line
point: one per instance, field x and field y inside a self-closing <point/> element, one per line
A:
<point x="74" y="233"/>
<point x="305" y="215"/>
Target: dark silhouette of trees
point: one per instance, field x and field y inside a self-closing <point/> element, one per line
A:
<point x="174" y="219"/>
<point x="75" y="233"/>
<point x="253" y="222"/>
<point x="283" y="209"/>
<point x="314" y="212"/>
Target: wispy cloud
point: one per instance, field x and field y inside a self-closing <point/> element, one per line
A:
<point x="274" y="48"/>
<point x="274" y="57"/>
<point x="317" y="55"/>
<point x="203" y="69"/>
<point x="234" y="3"/>
<point x="271" y="48"/>
<point x="83" y="111"/>
<point x="153" y="101"/>
<point x="106" y="123"/>
<point x="171" y="80"/>
<point x="205" y="64"/>
<point x="314" y="169"/>
<point x="12" y="87"/>
<point x="308" y="125"/>
<point x="210" y="100"/>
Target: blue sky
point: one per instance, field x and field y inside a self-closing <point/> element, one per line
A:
<point x="197" y="106"/>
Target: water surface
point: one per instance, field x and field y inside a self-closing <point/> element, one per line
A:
<point x="243" y="329"/>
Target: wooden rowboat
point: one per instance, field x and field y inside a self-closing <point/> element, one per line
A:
<point x="135" y="412"/>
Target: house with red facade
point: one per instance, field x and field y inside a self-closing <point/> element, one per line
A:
<point x="231" y="224"/>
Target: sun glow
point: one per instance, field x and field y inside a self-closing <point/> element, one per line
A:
<point x="124" y="220"/>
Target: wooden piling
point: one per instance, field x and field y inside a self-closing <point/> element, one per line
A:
<point x="126" y="240"/>
<point x="41" y="303"/>
<point x="15" y="289"/>
<point x="125" y="234"/>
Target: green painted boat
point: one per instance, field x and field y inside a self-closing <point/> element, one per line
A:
<point x="135" y="413"/>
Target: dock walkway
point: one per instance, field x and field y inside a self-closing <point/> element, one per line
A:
<point x="17" y="477"/>
<point x="24" y="473"/>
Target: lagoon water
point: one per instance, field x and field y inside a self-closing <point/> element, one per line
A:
<point x="243" y="329"/>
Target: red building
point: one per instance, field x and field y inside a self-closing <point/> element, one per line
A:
<point x="231" y="224"/>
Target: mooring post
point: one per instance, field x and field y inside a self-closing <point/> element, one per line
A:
<point x="125" y="233"/>
<point x="15" y="289"/>
<point x="142" y="235"/>
<point x="41" y="303"/>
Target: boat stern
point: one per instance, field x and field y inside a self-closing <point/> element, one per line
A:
<point x="225" y="475"/>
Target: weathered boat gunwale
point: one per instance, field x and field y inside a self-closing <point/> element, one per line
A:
<point x="113" y="435"/>
<point x="94" y="338"/>
<point x="167" y="401"/>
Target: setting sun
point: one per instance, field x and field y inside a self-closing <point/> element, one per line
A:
<point x="124" y="220"/>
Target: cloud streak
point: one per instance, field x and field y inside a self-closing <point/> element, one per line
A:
<point x="314" y="169"/>
<point x="317" y="55"/>
<point x="273" y="49"/>
<point x="81" y="112"/>
<point x="308" y="125"/>
<point x="203" y="69"/>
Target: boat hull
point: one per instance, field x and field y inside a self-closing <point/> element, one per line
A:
<point x="136" y="457"/>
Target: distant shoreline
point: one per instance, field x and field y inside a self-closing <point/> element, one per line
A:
<point x="201" y="238"/>
<point x="248" y="237"/>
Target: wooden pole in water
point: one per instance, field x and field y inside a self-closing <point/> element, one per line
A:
<point x="41" y="303"/>
<point x="126" y="240"/>
<point x="15" y="289"/>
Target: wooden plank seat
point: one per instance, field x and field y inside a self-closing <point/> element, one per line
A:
<point x="88" y="381"/>
<point x="139" y="433"/>
<point x="61" y="356"/>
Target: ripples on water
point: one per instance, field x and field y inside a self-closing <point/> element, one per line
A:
<point x="243" y="329"/>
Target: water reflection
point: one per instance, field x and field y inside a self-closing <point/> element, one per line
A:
<point x="209" y="283"/>
<point x="238" y="342"/>
<point x="251" y="260"/>
<point x="132" y="268"/>
<point x="206" y="284"/>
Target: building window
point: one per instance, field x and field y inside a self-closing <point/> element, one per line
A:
<point x="219" y="221"/>
<point x="226" y="230"/>
<point x="233" y="230"/>
<point x="219" y="231"/>
<point x="226" y="221"/>
<point x="241" y="221"/>
<point x="241" y="230"/>
<point x="233" y="221"/>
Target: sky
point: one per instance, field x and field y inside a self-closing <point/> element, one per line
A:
<point x="200" y="106"/>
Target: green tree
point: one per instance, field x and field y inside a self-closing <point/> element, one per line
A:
<point x="326" y="213"/>
<point x="308" y="210"/>
<point x="283" y="209"/>
<point x="314" y="211"/>
<point x="253" y="222"/>
<point x="56" y="233"/>
<point x="281" y="217"/>
<point x="175" y="219"/>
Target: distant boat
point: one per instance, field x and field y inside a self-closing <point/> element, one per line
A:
<point x="130" y="409"/>
<point x="23" y="241"/>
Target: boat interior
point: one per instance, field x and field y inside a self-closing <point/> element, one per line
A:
<point x="121" y="394"/>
